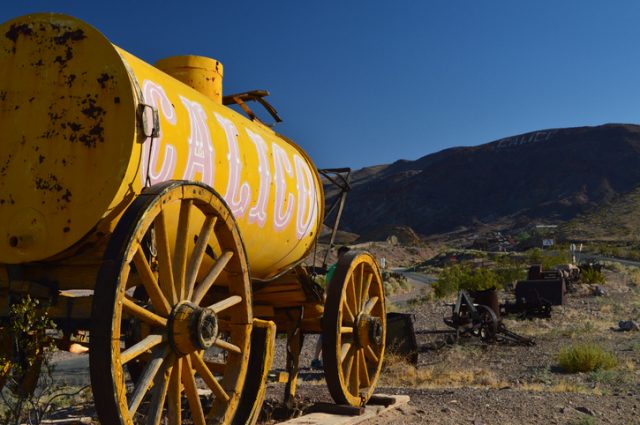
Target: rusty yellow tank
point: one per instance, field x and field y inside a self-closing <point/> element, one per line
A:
<point x="78" y="144"/>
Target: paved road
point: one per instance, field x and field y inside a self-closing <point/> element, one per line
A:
<point x="417" y="280"/>
<point x="622" y="261"/>
<point x="72" y="369"/>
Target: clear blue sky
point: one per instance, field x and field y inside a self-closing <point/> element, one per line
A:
<point x="367" y="82"/>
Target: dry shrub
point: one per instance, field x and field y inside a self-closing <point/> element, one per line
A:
<point x="634" y="277"/>
<point x="592" y="276"/>
<point x="398" y="372"/>
<point x="585" y="358"/>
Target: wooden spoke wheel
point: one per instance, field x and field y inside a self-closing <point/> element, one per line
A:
<point x="489" y="323"/>
<point x="188" y="329"/>
<point x="354" y="329"/>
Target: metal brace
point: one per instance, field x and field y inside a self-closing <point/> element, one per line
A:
<point x="255" y="96"/>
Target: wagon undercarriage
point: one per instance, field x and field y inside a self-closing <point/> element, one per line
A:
<point x="162" y="326"/>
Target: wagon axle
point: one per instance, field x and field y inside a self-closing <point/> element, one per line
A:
<point x="192" y="328"/>
<point x="368" y="330"/>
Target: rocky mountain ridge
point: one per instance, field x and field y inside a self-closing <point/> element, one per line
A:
<point x="549" y="175"/>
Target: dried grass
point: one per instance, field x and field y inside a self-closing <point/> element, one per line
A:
<point x="397" y="372"/>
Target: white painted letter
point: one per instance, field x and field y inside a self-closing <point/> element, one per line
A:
<point x="155" y="96"/>
<point x="306" y="198"/>
<point x="282" y="165"/>
<point x="237" y="196"/>
<point x="200" y="147"/>
<point x="258" y="213"/>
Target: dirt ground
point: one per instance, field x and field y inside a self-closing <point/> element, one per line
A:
<point x="477" y="383"/>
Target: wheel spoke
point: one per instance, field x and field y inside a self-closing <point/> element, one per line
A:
<point x="360" y="286"/>
<point x="368" y="351"/>
<point x="351" y="297"/>
<point x="346" y="330"/>
<point x="225" y="304"/>
<point x="345" y="351"/>
<point x="180" y="254"/>
<point x="349" y="359"/>
<point x="370" y="304"/>
<point x="365" y="290"/>
<point x="354" y="378"/>
<point x="150" y="283"/>
<point x="198" y="254"/>
<point x="158" y="357"/>
<point x="350" y="317"/>
<point x="160" y="386"/>
<point x="356" y="287"/>
<point x="364" y="373"/>
<point x="221" y="343"/>
<point x="141" y="347"/>
<point x="143" y="314"/>
<point x="191" y="390"/>
<point x="164" y="259"/>
<point x="174" y="403"/>
<point x="213" y="274"/>
<point x="208" y="378"/>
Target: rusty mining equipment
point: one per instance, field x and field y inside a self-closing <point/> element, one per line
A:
<point x="146" y="213"/>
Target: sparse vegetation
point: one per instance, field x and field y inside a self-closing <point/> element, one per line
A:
<point x="398" y="372"/>
<point x="592" y="276"/>
<point x="508" y="271"/>
<point x="585" y="358"/>
<point x="457" y="277"/>
<point x="30" y="394"/>
<point x="394" y="283"/>
<point x="549" y="259"/>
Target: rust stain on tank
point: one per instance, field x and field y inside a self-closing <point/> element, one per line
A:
<point x="3" y="169"/>
<point x="70" y="79"/>
<point x="103" y="79"/>
<point x="76" y="35"/>
<point x="50" y="184"/>
<point x="92" y="111"/>
<point x="95" y="135"/>
<point x="67" y="57"/>
<point x="16" y="30"/>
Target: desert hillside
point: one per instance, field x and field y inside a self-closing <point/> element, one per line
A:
<point x="553" y="175"/>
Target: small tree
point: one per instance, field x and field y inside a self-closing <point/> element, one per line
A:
<point x="457" y="277"/>
<point x="31" y="351"/>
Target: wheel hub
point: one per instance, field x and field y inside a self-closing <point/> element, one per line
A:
<point x="192" y="328"/>
<point x="368" y="330"/>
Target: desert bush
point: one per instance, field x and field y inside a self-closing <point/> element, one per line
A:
<point x="604" y="376"/>
<point x="457" y="277"/>
<point x="591" y="276"/>
<point x="634" y="276"/>
<point x="549" y="259"/>
<point x="398" y="372"/>
<point x="394" y="283"/>
<point x="28" y="324"/>
<point x="30" y="393"/>
<point x="508" y="271"/>
<point x="613" y="266"/>
<point x="585" y="358"/>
